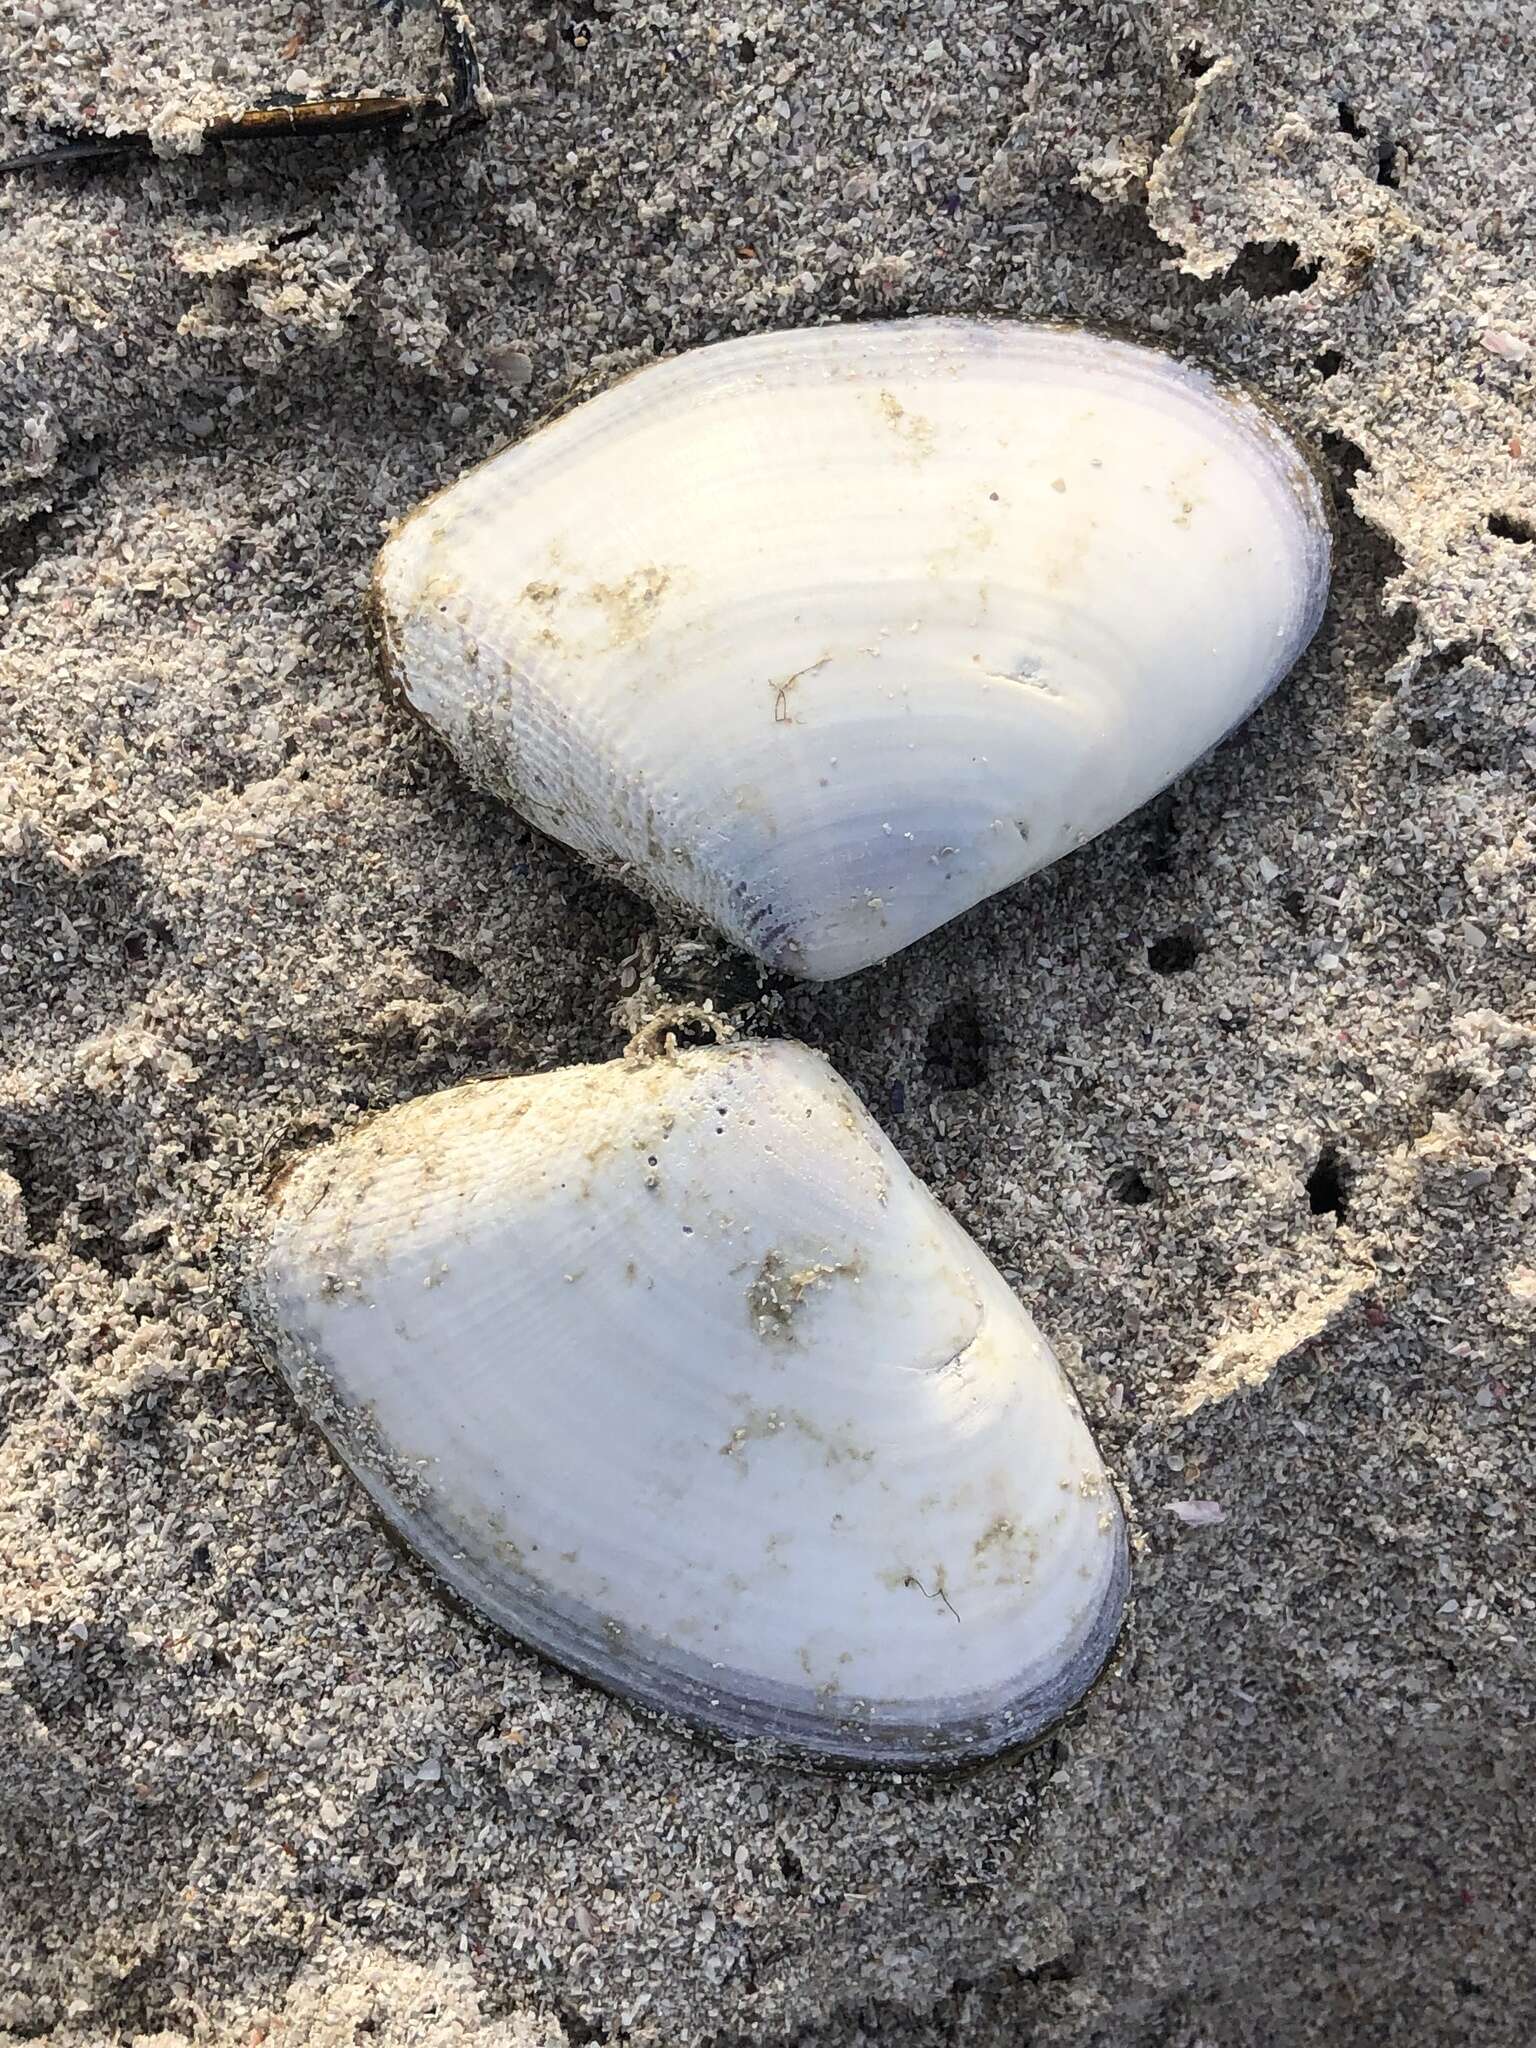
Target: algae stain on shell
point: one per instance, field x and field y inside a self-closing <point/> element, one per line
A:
<point x="775" y="1296"/>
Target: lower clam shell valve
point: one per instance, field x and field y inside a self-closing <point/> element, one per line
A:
<point x="676" y="1372"/>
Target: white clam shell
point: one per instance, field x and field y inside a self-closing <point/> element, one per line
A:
<point x="680" y="1375"/>
<point x="825" y="636"/>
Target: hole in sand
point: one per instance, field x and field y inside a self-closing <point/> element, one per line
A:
<point x="1130" y="1187"/>
<point x="21" y="544"/>
<point x="1510" y="526"/>
<point x="1329" y="363"/>
<point x="154" y="935"/>
<point x="956" y="1052"/>
<point x="45" y="1189"/>
<point x="580" y="2031"/>
<point x="692" y="1031"/>
<point x="578" y="30"/>
<point x="452" y="969"/>
<point x="1349" y="121"/>
<point x="1270" y="270"/>
<point x="1328" y="1184"/>
<point x="1176" y="952"/>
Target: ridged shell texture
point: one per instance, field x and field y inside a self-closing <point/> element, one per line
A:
<point x="677" y="1372"/>
<point x="824" y="636"/>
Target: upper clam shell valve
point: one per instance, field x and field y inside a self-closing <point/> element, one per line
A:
<point x="678" y="1373"/>
<point x="824" y="636"/>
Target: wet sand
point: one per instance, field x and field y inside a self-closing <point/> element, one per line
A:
<point x="1240" y="1097"/>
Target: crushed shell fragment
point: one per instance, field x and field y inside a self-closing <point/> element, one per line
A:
<point x="676" y="1372"/>
<point x="824" y="636"/>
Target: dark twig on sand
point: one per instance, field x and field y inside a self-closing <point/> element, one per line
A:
<point x="454" y="105"/>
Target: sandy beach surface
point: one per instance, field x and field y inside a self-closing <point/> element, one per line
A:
<point x="1240" y="1097"/>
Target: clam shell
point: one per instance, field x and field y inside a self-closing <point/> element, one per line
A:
<point x="825" y="636"/>
<point x="677" y="1373"/>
